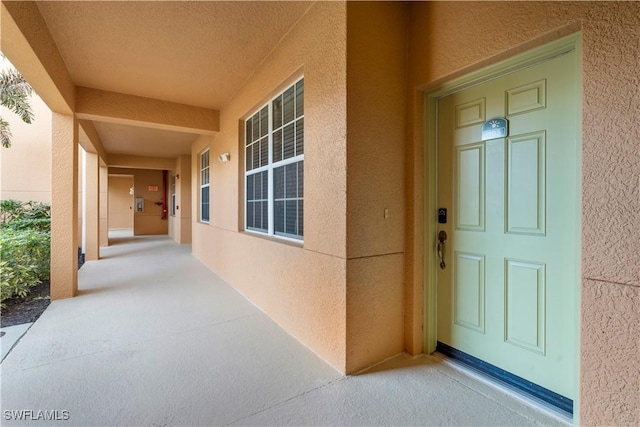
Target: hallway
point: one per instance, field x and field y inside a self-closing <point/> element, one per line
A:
<point x="155" y="338"/>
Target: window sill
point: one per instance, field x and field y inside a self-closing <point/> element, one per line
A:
<point x="276" y="239"/>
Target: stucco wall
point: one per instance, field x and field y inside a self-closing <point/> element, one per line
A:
<point x="449" y="39"/>
<point x="150" y="221"/>
<point x="81" y="167"/>
<point x="301" y="288"/>
<point x="376" y="117"/>
<point x="120" y="202"/>
<point x="180" y="224"/>
<point x="25" y="168"/>
<point x="104" y="206"/>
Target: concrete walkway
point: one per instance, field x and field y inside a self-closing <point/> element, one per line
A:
<point x="155" y="338"/>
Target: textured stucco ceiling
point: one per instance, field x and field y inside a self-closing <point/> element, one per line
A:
<point x="139" y="141"/>
<point x="196" y="53"/>
<point x="193" y="52"/>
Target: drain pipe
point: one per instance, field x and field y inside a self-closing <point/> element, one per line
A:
<point x="164" y="194"/>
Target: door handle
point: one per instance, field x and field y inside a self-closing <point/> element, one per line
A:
<point x="442" y="237"/>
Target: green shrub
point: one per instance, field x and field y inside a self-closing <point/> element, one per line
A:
<point x="25" y="215"/>
<point x="25" y="242"/>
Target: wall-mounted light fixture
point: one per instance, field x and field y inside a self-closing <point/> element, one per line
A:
<point x="224" y="157"/>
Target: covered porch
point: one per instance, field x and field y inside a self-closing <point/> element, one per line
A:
<point x="155" y="337"/>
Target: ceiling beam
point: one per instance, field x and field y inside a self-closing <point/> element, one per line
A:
<point x="100" y="105"/>
<point x="26" y="41"/>
<point x="90" y="140"/>
<point x="141" y="162"/>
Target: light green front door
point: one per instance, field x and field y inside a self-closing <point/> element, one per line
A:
<point x="508" y="293"/>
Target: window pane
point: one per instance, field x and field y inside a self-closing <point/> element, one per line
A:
<point x="289" y="141"/>
<point x="256" y="155"/>
<point x="264" y="152"/>
<point x="250" y="216"/>
<point x="204" y="203"/>
<point x="248" y="132"/>
<point x="264" y="121"/>
<point x="258" y="215"/>
<point x="300" y="179"/>
<point x="257" y="195"/>
<point x="250" y="180"/>
<point x="277" y="145"/>
<point x="278" y="183"/>
<point x="277" y="112"/>
<point x="291" y="217"/>
<point x="204" y="194"/>
<point x="265" y="216"/>
<point x="300" y="98"/>
<point x="300" y="137"/>
<point x="265" y="185"/>
<point x="290" y="181"/>
<point x="248" y="158"/>
<point x="278" y="216"/>
<point x="256" y="126"/>
<point x="204" y="160"/>
<point x="300" y="218"/>
<point x="288" y="100"/>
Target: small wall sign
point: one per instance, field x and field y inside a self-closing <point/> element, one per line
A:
<point x="495" y="128"/>
<point x="153" y="188"/>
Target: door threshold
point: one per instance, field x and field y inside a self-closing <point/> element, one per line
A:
<point x="515" y="392"/>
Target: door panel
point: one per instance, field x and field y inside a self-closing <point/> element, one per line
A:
<point x="468" y="291"/>
<point x="470" y="187"/>
<point x="508" y="294"/>
<point x="526" y="184"/>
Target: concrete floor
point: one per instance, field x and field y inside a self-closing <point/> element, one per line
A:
<point x="155" y="338"/>
<point x="10" y="335"/>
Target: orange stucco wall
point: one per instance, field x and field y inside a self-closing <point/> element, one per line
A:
<point x="301" y="288"/>
<point x="120" y="202"/>
<point x="150" y="220"/>
<point x="180" y="224"/>
<point x="449" y="39"/>
<point x="376" y="115"/>
<point x="25" y="168"/>
<point x="103" y="203"/>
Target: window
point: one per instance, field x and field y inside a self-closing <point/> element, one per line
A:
<point x="274" y="166"/>
<point x="173" y="195"/>
<point x="204" y="186"/>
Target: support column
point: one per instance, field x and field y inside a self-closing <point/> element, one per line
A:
<point x="64" y="206"/>
<point x="183" y="189"/>
<point x="103" y="206"/>
<point x="81" y="223"/>
<point x="92" y="249"/>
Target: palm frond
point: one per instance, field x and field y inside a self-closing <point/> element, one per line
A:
<point x="5" y="133"/>
<point x="15" y="93"/>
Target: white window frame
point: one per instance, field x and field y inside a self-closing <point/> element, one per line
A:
<point x="173" y="195"/>
<point x="205" y="185"/>
<point x="270" y="168"/>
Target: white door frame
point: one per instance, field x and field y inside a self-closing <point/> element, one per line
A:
<point x="518" y="62"/>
